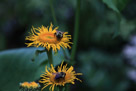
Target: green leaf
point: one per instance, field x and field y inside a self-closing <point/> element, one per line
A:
<point x="111" y="5"/>
<point x="121" y="4"/>
<point x="16" y="66"/>
<point x="126" y="28"/>
<point x="116" y="5"/>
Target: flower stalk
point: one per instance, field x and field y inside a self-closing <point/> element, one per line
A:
<point x="75" y="32"/>
<point x="60" y="88"/>
<point x="50" y="58"/>
<point x="53" y="12"/>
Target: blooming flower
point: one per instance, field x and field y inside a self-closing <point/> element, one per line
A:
<point x="30" y="85"/>
<point x="61" y="77"/>
<point x="49" y="38"/>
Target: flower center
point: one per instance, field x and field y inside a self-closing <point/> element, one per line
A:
<point x="48" y="37"/>
<point x="58" y="77"/>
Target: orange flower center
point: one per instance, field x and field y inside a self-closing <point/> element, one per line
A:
<point x="48" y="37"/>
<point x="68" y="76"/>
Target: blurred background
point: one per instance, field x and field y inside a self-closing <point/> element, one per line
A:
<point x="106" y="51"/>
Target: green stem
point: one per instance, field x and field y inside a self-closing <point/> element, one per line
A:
<point x="53" y="12"/>
<point x="50" y="58"/>
<point x="61" y="88"/>
<point x="67" y="87"/>
<point x="76" y="30"/>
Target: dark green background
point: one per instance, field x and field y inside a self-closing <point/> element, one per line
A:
<point x="106" y="28"/>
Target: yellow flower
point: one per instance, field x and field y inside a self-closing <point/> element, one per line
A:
<point x="61" y="77"/>
<point x="34" y="85"/>
<point x="30" y="85"/>
<point x="49" y="38"/>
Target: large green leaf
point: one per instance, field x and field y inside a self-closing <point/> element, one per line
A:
<point x="121" y="4"/>
<point x="16" y="66"/>
<point x="116" y="5"/>
<point x="111" y="5"/>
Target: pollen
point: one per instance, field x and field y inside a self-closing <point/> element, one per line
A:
<point x="62" y="76"/>
<point x="49" y="38"/>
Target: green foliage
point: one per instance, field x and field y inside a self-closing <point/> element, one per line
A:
<point x="103" y="25"/>
<point x="121" y="4"/>
<point x="116" y="5"/>
<point x="111" y="4"/>
<point x="126" y="28"/>
<point x="16" y="66"/>
<point x="103" y="71"/>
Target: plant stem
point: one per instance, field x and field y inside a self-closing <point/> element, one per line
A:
<point x="76" y="30"/>
<point x="61" y="88"/>
<point x="58" y="89"/>
<point x="50" y="58"/>
<point x="53" y="12"/>
<point x="67" y="87"/>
